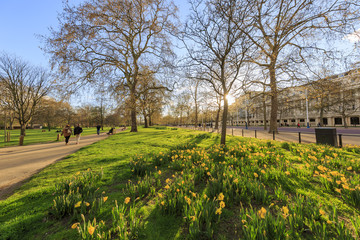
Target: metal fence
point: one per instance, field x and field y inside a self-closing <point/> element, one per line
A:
<point x="286" y="136"/>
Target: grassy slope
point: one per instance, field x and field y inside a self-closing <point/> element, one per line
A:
<point x="37" y="136"/>
<point x="25" y="214"/>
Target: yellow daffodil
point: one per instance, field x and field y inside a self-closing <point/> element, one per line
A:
<point x="349" y="168"/>
<point x="127" y="200"/>
<point x="75" y="225"/>
<point x="78" y="204"/>
<point x="220" y="197"/>
<point x="91" y="230"/>
<point x="222" y="204"/>
<point x="256" y="175"/>
<point x="105" y="199"/>
<point x="218" y="211"/>
<point x="262" y="212"/>
<point x="285" y="210"/>
<point x="322" y="212"/>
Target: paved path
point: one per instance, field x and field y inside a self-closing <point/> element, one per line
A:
<point x="21" y="162"/>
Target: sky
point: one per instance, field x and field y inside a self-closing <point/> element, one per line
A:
<point x="22" y="21"/>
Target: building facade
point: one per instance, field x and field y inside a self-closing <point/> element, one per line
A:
<point x="333" y="101"/>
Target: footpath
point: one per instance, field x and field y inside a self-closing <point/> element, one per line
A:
<point x="19" y="163"/>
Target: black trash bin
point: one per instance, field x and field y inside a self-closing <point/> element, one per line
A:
<point x="326" y="136"/>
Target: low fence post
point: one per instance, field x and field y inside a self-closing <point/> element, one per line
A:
<point x="273" y="135"/>
<point x="58" y="137"/>
<point x="255" y="134"/>
<point x="8" y="137"/>
<point x="242" y="132"/>
<point x="299" y="137"/>
<point x="340" y="141"/>
<point x="232" y="131"/>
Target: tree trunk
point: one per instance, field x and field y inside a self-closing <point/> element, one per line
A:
<point x="145" y="121"/>
<point x="274" y="102"/>
<point x="224" y="119"/>
<point x="264" y="111"/>
<point x="133" y="112"/>
<point x="49" y="127"/>
<point x="344" y="119"/>
<point x="196" y="114"/>
<point x="22" y="129"/>
<point x="217" y="118"/>
<point x="321" y="116"/>
<point x="150" y="121"/>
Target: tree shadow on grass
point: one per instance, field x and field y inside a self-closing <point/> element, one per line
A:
<point x="159" y="226"/>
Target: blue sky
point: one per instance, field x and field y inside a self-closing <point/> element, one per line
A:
<point x="22" y="20"/>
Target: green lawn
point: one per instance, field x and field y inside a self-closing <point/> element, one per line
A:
<point x="180" y="184"/>
<point x="37" y="136"/>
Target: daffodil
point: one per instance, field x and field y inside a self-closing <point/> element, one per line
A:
<point x="105" y="198"/>
<point x="220" y="197"/>
<point x="75" y="225"/>
<point x="91" y="230"/>
<point x="78" y="204"/>
<point x="127" y="200"/>
<point x="262" y="212"/>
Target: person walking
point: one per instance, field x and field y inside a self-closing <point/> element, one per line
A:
<point x="67" y="133"/>
<point x="298" y="125"/>
<point x="77" y="132"/>
<point x="98" y="129"/>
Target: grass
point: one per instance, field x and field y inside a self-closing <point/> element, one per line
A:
<point x="182" y="185"/>
<point x="34" y="136"/>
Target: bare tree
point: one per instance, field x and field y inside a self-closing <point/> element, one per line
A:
<point x="216" y="45"/>
<point x="284" y="29"/>
<point x="112" y="37"/>
<point x="24" y="87"/>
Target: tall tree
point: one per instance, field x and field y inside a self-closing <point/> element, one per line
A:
<point x="24" y="87"/>
<point x="112" y="37"/>
<point x="215" y="43"/>
<point x="284" y="29"/>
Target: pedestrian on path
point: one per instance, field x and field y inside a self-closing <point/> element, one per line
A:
<point x="98" y="129"/>
<point x="298" y="125"/>
<point x="77" y="131"/>
<point x="67" y="133"/>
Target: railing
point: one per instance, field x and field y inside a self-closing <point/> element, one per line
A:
<point x="288" y="136"/>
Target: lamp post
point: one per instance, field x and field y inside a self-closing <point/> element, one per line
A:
<point x="307" y="109"/>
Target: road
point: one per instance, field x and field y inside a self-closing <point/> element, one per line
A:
<point x="21" y="162"/>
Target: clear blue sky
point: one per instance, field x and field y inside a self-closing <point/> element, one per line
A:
<point x="22" y="20"/>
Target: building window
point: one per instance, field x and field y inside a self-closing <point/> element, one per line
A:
<point x="285" y="120"/>
<point x="338" y="120"/>
<point x="312" y="119"/>
<point x="354" y="120"/>
<point x="302" y="120"/>
<point x="325" y="121"/>
<point x="292" y="120"/>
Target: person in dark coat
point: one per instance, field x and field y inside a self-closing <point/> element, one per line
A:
<point x="77" y="132"/>
<point x="98" y="129"/>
